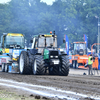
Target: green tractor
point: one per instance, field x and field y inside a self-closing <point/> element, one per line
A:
<point x="44" y="57"/>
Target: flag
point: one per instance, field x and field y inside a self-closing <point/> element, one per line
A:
<point x="85" y="40"/>
<point x="67" y="44"/>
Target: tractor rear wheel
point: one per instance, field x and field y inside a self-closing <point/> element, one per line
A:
<point x="24" y="67"/>
<point x="38" y="66"/>
<point x="64" y="68"/>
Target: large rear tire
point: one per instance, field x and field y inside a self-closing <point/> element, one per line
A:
<point x="38" y="65"/>
<point x="24" y="67"/>
<point x="64" y="68"/>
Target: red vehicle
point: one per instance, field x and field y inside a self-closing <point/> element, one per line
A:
<point x="79" y="55"/>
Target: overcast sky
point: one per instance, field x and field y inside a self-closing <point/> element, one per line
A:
<point x="49" y="2"/>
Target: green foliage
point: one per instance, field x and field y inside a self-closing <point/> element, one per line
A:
<point x="71" y="17"/>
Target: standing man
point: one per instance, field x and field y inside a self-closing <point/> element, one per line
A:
<point x="90" y="62"/>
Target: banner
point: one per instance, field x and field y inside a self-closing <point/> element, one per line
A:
<point x="85" y="40"/>
<point x="67" y="44"/>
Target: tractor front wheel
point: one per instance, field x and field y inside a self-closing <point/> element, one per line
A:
<point x="6" y="67"/>
<point x="3" y="67"/>
<point x="38" y="66"/>
<point x="64" y="68"/>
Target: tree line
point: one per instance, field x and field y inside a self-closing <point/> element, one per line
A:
<point x="71" y="17"/>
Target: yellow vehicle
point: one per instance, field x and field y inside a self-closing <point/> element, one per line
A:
<point x="11" y="45"/>
<point x="11" y="41"/>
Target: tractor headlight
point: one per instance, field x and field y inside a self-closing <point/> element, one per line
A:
<point x="56" y="56"/>
<point x="51" y="56"/>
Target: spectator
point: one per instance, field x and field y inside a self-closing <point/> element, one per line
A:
<point x="90" y="62"/>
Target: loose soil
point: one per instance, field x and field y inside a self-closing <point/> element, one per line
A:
<point x="78" y="81"/>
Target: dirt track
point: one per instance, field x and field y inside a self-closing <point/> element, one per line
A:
<point x="75" y="82"/>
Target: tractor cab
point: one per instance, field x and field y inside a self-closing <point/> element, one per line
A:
<point x="44" y="41"/>
<point x="79" y="48"/>
<point x="10" y="41"/>
<point x="47" y="41"/>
